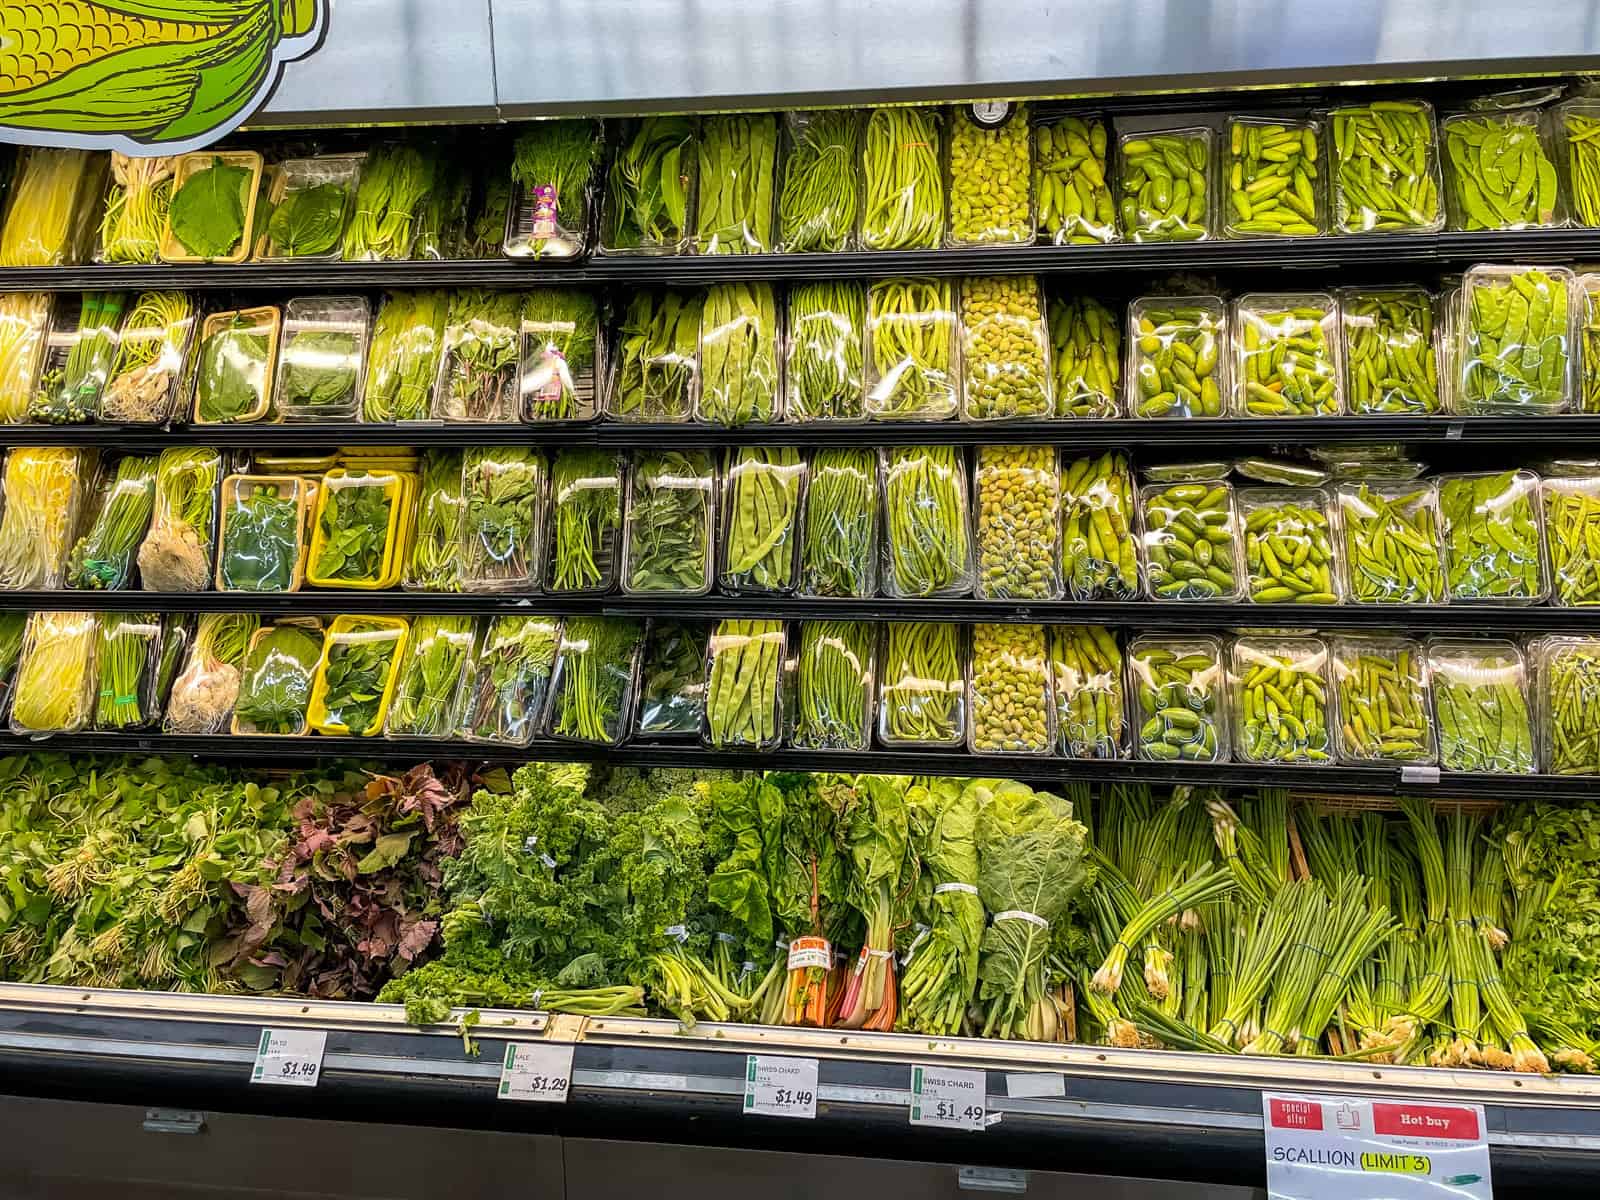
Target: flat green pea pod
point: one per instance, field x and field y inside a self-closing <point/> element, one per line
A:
<point x="1589" y="314"/>
<point x="1071" y="182"/>
<point x="833" y="685"/>
<point x="922" y="688"/>
<point x="1287" y="362"/>
<point x="1493" y="538"/>
<point x="903" y="198"/>
<point x="1480" y="706"/>
<point x="1086" y="345"/>
<point x="738" y="355"/>
<point x="1019" y="519"/>
<point x="927" y="527"/>
<point x="744" y="674"/>
<point x="1178" y="685"/>
<point x="1166" y="190"/>
<point x="1281" y="697"/>
<point x="738" y="163"/>
<point x="759" y="519"/>
<point x="1572" y="539"/>
<point x="839" y="538"/>
<point x="1091" y="710"/>
<point x="1176" y="356"/>
<point x="1578" y="130"/>
<point x="819" y="205"/>
<point x="1274" y="179"/>
<point x="823" y="377"/>
<point x="1391" y="359"/>
<point x="1385" y="168"/>
<point x="1499" y="171"/>
<point x="1005" y="350"/>
<point x="1566" y="697"/>
<point x="911" y="350"/>
<point x="1516" y="352"/>
<point x="1190" y="538"/>
<point x="1013" y="711"/>
<point x="1098" y="546"/>
<point x="1381" y="686"/>
<point x="1391" y="543"/>
<point x="991" y="181"/>
<point x="1289" y="545"/>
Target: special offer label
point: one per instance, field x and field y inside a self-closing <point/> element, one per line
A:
<point x="1349" y="1148"/>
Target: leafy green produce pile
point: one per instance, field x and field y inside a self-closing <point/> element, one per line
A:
<point x="501" y="489"/>
<point x="561" y="326"/>
<point x="552" y="163"/>
<point x="429" y="693"/>
<point x="403" y="359"/>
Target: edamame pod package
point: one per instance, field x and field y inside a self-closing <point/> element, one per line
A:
<point x="1577" y="126"/>
<point x="819" y="204"/>
<point x="1500" y="170"/>
<point x="834" y="682"/>
<point x="927" y="527"/>
<point x="650" y="191"/>
<point x="1289" y="545"/>
<point x="922" y="685"/>
<point x="1493" y="538"/>
<point x="1177" y="356"/>
<point x="1190" y="535"/>
<point x="840" y="528"/>
<point x="1480" y="706"/>
<point x="1391" y="351"/>
<point x="1391" y="543"/>
<point x="1009" y="691"/>
<point x="1086" y="349"/>
<point x="760" y="519"/>
<point x="1287" y="355"/>
<point x="1572" y="538"/>
<point x="670" y="524"/>
<point x="744" y="686"/>
<point x="1566" y="698"/>
<point x="1516" y="340"/>
<point x="1283" y="700"/>
<point x="991" y="180"/>
<point x="738" y="355"/>
<point x="1274" y="178"/>
<point x="1091" y="710"/>
<point x="1099" y="548"/>
<point x="1180" y="707"/>
<point x="738" y="173"/>
<point x="1005" y="350"/>
<point x="826" y="340"/>
<point x="658" y="357"/>
<point x="559" y="354"/>
<point x="912" y="346"/>
<point x="1384" y="707"/>
<point x="1165" y="184"/>
<point x="597" y="668"/>
<point x="1385" y="168"/>
<point x="1072" y="181"/>
<point x="1019" y="521"/>
<point x="903" y="206"/>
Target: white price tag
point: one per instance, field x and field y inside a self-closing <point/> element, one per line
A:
<point x="290" y="1057"/>
<point x="536" y="1071"/>
<point x="1035" y="1085"/>
<point x="948" y="1098"/>
<point x="780" y="1087"/>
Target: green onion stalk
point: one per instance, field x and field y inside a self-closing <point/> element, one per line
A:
<point x="70" y="394"/>
<point x="124" y="656"/>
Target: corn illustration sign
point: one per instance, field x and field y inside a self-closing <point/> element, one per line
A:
<point x="146" y="77"/>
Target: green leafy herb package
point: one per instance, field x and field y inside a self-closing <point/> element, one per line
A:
<point x="213" y="207"/>
<point x="355" y="679"/>
<point x="552" y="176"/>
<point x="311" y="205"/>
<point x="560" y="337"/>
<point x="510" y="679"/>
<point x="275" y="687"/>
<point x="233" y="383"/>
<point x="320" y="362"/>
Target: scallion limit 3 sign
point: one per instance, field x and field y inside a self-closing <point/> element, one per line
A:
<point x="1350" y="1148"/>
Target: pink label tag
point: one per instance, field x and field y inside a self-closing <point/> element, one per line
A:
<point x="555" y="367"/>
<point x="544" y="211"/>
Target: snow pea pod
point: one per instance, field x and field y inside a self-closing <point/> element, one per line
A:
<point x="1391" y="544"/>
<point x="742" y="684"/>
<point x="1480" y="705"/>
<point x="1385" y="167"/>
<point x="1492" y="537"/>
<point x="1516" y="340"/>
<point x="1499" y="171"/>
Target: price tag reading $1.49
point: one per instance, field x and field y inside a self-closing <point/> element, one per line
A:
<point x="290" y="1057"/>
<point x="780" y="1087"/>
<point x="948" y="1098"/>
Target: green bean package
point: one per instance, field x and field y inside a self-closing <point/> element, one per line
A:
<point x="1572" y="538"/>
<point x="1178" y="689"/>
<point x="403" y="359"/>
<point x="1381" y="684"/>
<point x="991" y="181"/>
<point x="275" y="685"/>
<point x="672" y="683"/>
<point x="1587" y="294"/>
<point x="1480" y="706"/>
<point x="1288" y="545"/>
<point x="668" y="547"/>
<point x="738" y="169"/>
<point x="1391" y="357"/>
<point x="1005" y="349"/>
<point x="480" y="359"/>
<point x="1071" y="182"/>
<point x="744" y="678"/>
<point x="903" y="198"/>
<point x="1578" y="130"/>
<point x="1013" y="709"/>
<point x="322" y="358"/>
<point x="823" y="377"/>
<point x="1566" y="697"/>
<point x="585" y="521"/>
<point x="560" y="332"/>
<point x="119" y="516"/>
<point x="1091" y="709"/>
<point x="126" y="660"/>
<point x="592" y="691"/>
<point x="1175" y="356"/>
<point x="759" y="517"/>
<point x="1165" y="186"/>
<point x="1516" y="352"/>
<point x="1500" y="172"/>
<point x="839" y="533"/>
<point x="738" y="355"/>
<point x="819" y="205"/>
<point x="1019" y="519"/>
<point x="921" y="685"/>
<point x="833" y="686"/>
<point x="927" y="542"/>
<point x="1086" y="358"/>
<point x="1190" y="539"/>
<point x="1385" y="168"/>
<point x="1274" y="179"/>
<point x="434" y="564"/>
<point x="1283" y="711"/>
<point x="1098" y="547"/>
<point x="510" y="679"/>
<point x="658" y="357"/>
<point x="1288" y="355"/>
<point x="1391" y="543"/>
<point x="1493" y="538"/>
<point x="911" y="350"/>
<point x="650" y="192"/>
<point x="262" y="544"/>
<point x="502" y="518"/>
<point x="432" y="689"/>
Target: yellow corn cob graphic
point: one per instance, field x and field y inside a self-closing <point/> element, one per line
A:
<point x="39" y="42"/>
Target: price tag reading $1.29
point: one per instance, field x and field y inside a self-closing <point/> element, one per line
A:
<point x="536" y="1072"/>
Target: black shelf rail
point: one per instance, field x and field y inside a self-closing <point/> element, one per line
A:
<point x="1045" y="771"/>
<point x="1139" y="614"/>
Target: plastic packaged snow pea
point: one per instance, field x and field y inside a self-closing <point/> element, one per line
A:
<point x="672" y="681"/>
<point x="833" y="685"/>
<point x="1098" y="545"/>
<point x="738" y="355"/>
<point x="658" y="357"/>
<point x="650" y="191"/>
<point x="1180" y="707"/>
<point x="1071" y="181"/>
<point x="1383" y="702"/>
<point x="1176" y="356"/>
<point x="1165" y="185"/>
<point x="1288" y="545"/>
<point x="991" y="181"/>
<point x="585" y="543"/>
<point x="819" y="204"/>
<point x="670" y="523"/>
<point x="1019" y="518"/>
<point x="1086" y="344"/>
<point x="510" y="679"/>
<point x="1385" y="168"/>
<point x="903" y="205"/>
<point x="1283" y="708"/>
<point x="912" y="371"/>
<point x="1274" y="179"/>
<point x="432" y="689"/>
<point x="1190" y="540"/>
<point x="1566" y="697"/>
<point x="839" y="536"/>
<point x="1572" y="538"/>
<point x="1390" y="351"/>
<point x="1516" y="349"/>
<point x="1480" y="705"/>
<point x="759" y="517"/>
<point x="592" y="691"/>
<point x="1004" y="349"/>
<point x="927" y="534"/>
<point x="1493" y="537"/>
<point x="1013" y="710"/>
<point x="1588" y="295"/>
<point x="1091" y="710"/>
<point x="1578" y="131"/>
<point x="1391" y="543"/>
<point x="744" y="685"/>
<point x="823" y="378"/>
<point x="1288" y="355"/>
<point x="1500" y="172"/>
<point x="922" y="685"/>
<point x="738" y="172"/>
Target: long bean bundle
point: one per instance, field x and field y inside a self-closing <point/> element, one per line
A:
<point x="510" y="678"/>
<point x="921" y="699"/>
<point x="23" y="318"/>
<point x="839" y="540"/>
<point x="823" y="380"/>
<point x="125" y="660"/>
<point x="738" y="159"/>
<point x="833" y="685"/>
<point x="586" y="496"/>
<point x="738" y="354"/>
<point x="435" y="564"/>
<point x="821" y="196"/>
<point x="927" y="525"/>
<point x="758" y="518"/>
<point x="403" y="356"/>
<point x="594" y="679"/>
<point x="56" y="673"/>
<point x="903" y="208"/>
<point x="176" y="554"/>
<point x="911" y="337"/>
<point x="742" y="685"/>
<point x="660" y="351"/>
<point x="41" y="491"/>
<point x="136" y="208"/>
<point x="103" y="557"/>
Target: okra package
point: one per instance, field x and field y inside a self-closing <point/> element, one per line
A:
<point x="1283" y="700"/>
<point x="127" y="658"/>
<point x="56" y="674"/>
<point x="1287" y="357"/>
<point x="1165" y="184"/>
<point x="819" y="203"/>
<point x="912" y="344"/>
<point x="1177" y="356"/>
<point x="585" y="544"/>
<point x="991" y="180"/>
<point x="146" y="373"/>
<point x="553" y="165"/>
<point x="509" y="682"/>
<point x="1381" y="689"/>
<point x="436" y="551"/>
<point x="502" y="518"/>
<point x="1005" y="350"/>
<point x="322" y="359"/>
<point x="275" y="684"/>
<point x="1572" y="538"/>
<point x="1191" y="541"/>
<point x="1289" y="545"/>
<point x="840" y="528"/>
<point x="1500" y="170"/>
<point x="738" y="173"/>
<point x="1086" y="358"/>
<point x="760" y="519"/>
<point x="1009" y="691"/>
<point x="1384" y="168"/>
<point x="596" y="670"/>
<point x="434" y="683"/>
<point x="312" y="200"/>
<point x="658" y="357"/>
<point x="650" y="191"/>
<point x="355" y="679"/>
<point x="1391" y="351"/>
<point x="922" y="685"/>
<point x="1099" y="547"/>
<point x="262" y="544"/>
<point x="1086" y="670"/>
<point x="1018" y="506"/>
<point x="670" y="524"/>
<point x="1516" y="352"/>
<point x="1480" y="705"/>
<point x="117" y="519"/>
<point x="834" y="682"/>
<point x="560" y="336"/>
<point x="823" y="376"/>
<point x="672" y="681"/>
<point x="1275" y="178"/>
<point x="927" y="544"/>
<point x="1566" y="693"/>
<point x="1392" y="543"/>
<point x="1493" y="531"/>
<point x="77" y="359"/>
<point x="1180" y="703"/>
<point x="403" y="360"/>
<point x="739" y="341"/>
<point x="1072" y="181"/>
<point x="744" y="678"/>
<point x="478" y="367"/>
<point x="44" y="486"/>
<point x="903" y="207"/>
